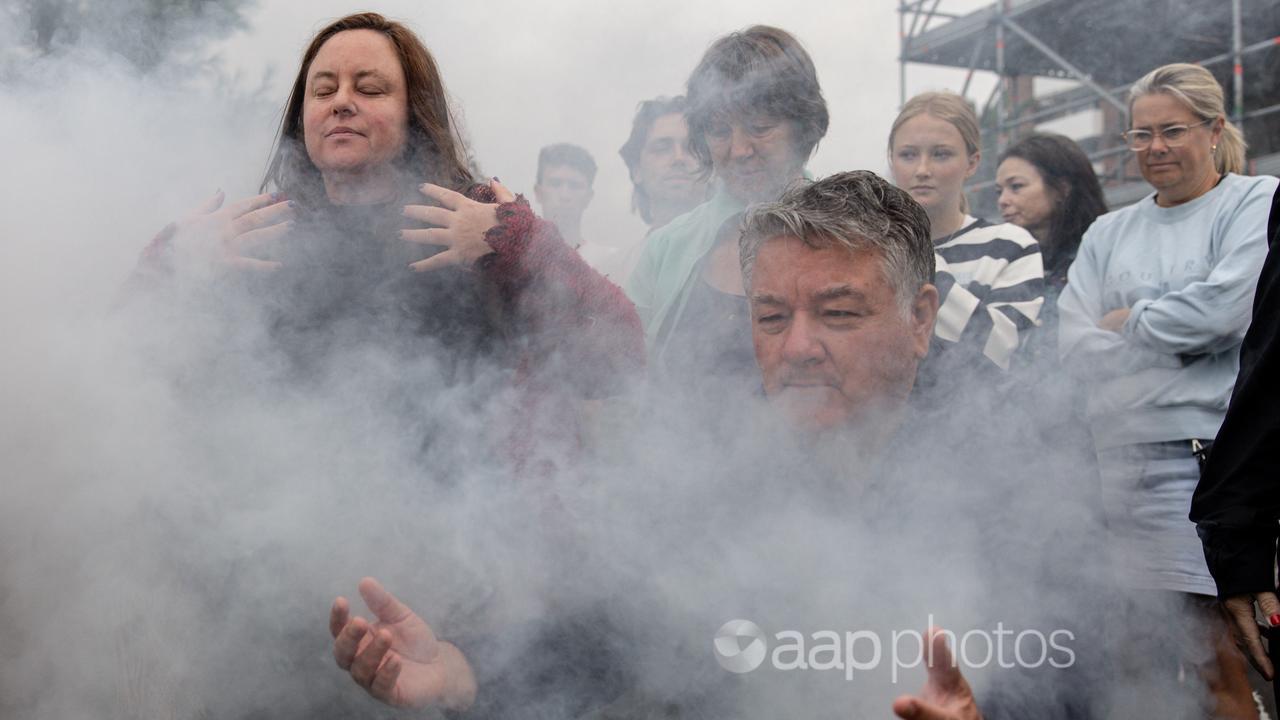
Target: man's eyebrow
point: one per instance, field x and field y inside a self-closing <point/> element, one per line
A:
<point x="839" y="292"/>
<point x="767" y="299"/>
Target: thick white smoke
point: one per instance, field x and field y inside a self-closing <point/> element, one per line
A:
<point x="178" y="512"/>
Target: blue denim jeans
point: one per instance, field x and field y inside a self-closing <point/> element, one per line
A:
<point x="1146" y="495"/>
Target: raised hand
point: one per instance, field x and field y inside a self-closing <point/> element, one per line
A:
<point x="458" y="225"/>
<point x="219" y="235"/>
<point x="398" y="659"/>
<point x="946" y="694"/>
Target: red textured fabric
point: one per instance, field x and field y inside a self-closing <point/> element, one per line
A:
<point x="593" y="326"/>
<point x="582" y="331"/>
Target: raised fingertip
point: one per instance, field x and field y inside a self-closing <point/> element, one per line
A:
<point x="905" y="707"/>
<point x="1274" y="620"/>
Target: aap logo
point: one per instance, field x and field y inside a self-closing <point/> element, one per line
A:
<point x="740" y="646"/>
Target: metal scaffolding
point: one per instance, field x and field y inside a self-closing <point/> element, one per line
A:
<point x="1103" y="46"/>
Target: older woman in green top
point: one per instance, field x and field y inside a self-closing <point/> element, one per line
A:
<point x="755" y="114"/>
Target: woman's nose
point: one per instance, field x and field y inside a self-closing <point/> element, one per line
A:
<point x="342" y="102"/>
<point x="740" y="144"/>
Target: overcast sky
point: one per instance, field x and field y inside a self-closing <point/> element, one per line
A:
<point x="527" y="74"/>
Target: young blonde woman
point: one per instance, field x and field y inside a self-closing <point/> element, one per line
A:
<point x="990" y="277"/>
<point x="1152" y="318"/>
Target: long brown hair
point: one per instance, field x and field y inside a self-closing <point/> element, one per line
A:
<point x="433" y="151"/>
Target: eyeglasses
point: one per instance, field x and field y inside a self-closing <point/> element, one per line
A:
<point x="1174" y="136"/>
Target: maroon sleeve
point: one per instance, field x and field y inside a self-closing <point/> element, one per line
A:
<point x="583" y="323"/>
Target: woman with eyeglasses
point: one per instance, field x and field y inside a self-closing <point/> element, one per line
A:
<point x="1152" y="317"/>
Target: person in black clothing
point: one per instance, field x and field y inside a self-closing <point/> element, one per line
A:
<point x="1236" y="505"/>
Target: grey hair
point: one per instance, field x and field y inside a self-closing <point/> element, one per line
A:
<point x="856" y="210"/>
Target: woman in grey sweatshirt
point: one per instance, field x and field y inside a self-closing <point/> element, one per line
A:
<point x="1155" y="308"/>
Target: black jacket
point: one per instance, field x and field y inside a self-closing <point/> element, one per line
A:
<point x="1236" y="507"/>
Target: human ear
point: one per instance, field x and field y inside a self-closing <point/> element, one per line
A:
<point x="974" y="161"/>
<point x="924" y="311"/>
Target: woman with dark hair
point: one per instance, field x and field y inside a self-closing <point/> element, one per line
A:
<point x="377" y="226"/>
<point x="377" y="242"/>
<point x="1047" y="186"/>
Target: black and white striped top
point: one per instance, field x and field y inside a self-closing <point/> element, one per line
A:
<point x="991" y="285"/>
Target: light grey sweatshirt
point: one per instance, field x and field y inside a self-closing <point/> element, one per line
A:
<point x="1188" y="275"/>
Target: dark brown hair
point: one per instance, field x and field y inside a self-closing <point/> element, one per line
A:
<point x="647" y="113"/>
<point x="433" y="150"/>
<point x="1066" y="170"/>
<point x="759" y="70"/>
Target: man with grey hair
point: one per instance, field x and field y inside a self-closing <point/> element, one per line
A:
<point x="839" y="274"/>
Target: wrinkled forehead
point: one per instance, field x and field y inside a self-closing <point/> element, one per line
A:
<point x="802" y="270"/>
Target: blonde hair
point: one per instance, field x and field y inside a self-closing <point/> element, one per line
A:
<point x="1201" y="93"/>
<point x="949" y="107"/>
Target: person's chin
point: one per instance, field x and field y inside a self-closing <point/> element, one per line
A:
<point x="345" y="161"/>
<point x="926" y="198"/>
<point x="1161" y="175"/>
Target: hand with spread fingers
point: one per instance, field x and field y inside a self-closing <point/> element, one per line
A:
<point x="398" y="659"/>
<point x="458" y="225"/>
<point x="219" y="234"/>
<point x="1247" y="632"/>
<point x="946" y="694"/>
